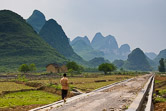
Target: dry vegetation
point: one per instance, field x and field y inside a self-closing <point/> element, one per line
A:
<point x="87" y="84"/>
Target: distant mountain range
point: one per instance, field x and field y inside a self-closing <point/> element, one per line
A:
<point x="107" y="47"/>
<point x="19" y="44"/>
<point x="137" y="60"/>
<point x="162" y="54"/>
<point x="100" y="46"/>
<point x="151" y="55"/>
<point x="83" y="47"/>
<point x="54" y="35"/>
<point x="38" y="41"/>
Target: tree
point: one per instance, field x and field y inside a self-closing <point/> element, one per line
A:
<point x="72" y="65"/>
<point x="161" y="67"/>
<point x="106" y="67"/>
<point x="32" y="67"/>
<point x="24" y="68"/>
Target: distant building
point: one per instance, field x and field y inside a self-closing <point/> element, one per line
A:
<point x="55" y="68"/>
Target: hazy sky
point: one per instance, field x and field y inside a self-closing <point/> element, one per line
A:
<point x="140" y="23"/>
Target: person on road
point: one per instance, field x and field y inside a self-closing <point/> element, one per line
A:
<point x="65" y="86"/>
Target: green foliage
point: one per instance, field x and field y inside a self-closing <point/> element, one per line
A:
<point x="21" y="45"/>
<point x="72" y="65"/>
<point x="32" y="67"/>
<point x="22" y="78"/>
<point x="12" y="86"/>
<point x="71" y="87"/>
<point x="157" y="81"/>
<point x="3" y="69"/>
<point x="27" y="98"/>
<point x="57" y="87"/>
<point x="160" y="99"/>
<point x="162" y="92"/>
<point x="106" y="67"/>
<point x="24" y="68"/>
<point x="161" y="67"/>
<point x="70" y="72"/>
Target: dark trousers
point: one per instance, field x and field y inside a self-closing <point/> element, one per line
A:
<point x="64" y="93"/>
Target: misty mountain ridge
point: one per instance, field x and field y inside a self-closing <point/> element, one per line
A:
<point x="151" y="55"/>
<point x="162" y="54"/>
<point x="95" y="62"/>
<point x="137" y="60"/>
<point x="54" y="35"/>
<point x="82" y="47"/>
<point x="36" y="20"/>
<point x="85" y="39"/>
<point x="124" y="51"/>
<point x="21" y="44"/>
<point x="107" y="45"/>
<point x="102" y="43"/>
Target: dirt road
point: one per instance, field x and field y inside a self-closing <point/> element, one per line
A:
<point x="116" y="98"/>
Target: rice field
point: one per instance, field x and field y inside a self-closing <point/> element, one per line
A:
<point x="12" y="86"/>
<point x="87" y="84"/>
<point x="27" y="98"/>
<point x="41" y="97"/>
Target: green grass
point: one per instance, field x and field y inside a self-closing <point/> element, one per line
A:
<point x="162" y="92"/>
<point x="27" y="98"/>
<point x="157" y="81"/>
<point x="160" y="99"/>
<point x="41" y="97"/>
<point x="12" y="86"/>
<point x="160" y="85"/>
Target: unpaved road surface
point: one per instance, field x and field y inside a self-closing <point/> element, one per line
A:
<point x="116" y="98"/>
